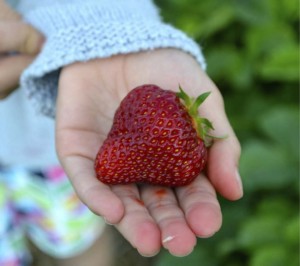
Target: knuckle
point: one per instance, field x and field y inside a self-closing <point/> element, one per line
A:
<point x="25" y="44"/>
<point x="3" y="36"/>
<point x="218" y="99"/>
<point x="31" y="40"/>
<point x="237" y="147"/>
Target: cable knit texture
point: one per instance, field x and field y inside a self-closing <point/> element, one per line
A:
<point x="82" y="30"/>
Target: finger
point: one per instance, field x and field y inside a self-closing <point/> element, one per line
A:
<point x="11" y="68"/>
<point x="224" y="154"/>
<point x="201" y="207"/>
<point x="223" y="168"/>
<point x="96" y="195"/>
<point x="19" y="37"/>
<point x="176" y="236"/>
<point x="7" y="13"/>
<point x="137" y="226"/>
<point x="77" y="148"/>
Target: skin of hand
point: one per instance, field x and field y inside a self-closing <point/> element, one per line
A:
<point x="19" y="44"/>
<point x="89" y="94"/>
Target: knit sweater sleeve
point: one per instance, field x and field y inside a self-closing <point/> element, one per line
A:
<point x="78" y="30"/>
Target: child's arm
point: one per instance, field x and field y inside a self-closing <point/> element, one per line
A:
<point x="84" y="30"/>
<point x="118" y="44"/>
<point x="89" y="93"/>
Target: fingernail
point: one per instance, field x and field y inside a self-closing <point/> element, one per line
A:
<point x="207" y="235"/>
<point x="146" y="255"/>
<point x="239" y="182"/>
<point x="107" y="222"/>
<point x="168" y="239"/>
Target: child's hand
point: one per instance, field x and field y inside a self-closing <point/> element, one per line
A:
<point x="89" y="94"/>
<point x="19" y="43"/>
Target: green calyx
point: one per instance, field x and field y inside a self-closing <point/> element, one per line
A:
<point x="202" y="125"/>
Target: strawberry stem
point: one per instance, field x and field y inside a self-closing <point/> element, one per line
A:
<point x="199" y="100"/>
<point x="202" y="125"/>
<point x="182" y="95"/>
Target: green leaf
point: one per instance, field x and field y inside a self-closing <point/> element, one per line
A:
<point x="291" y="231"/>
<point x="186" y="98"/>
<point x="260" y="231"/>
<point x="271" y="255"/>
<point x="223" y="16"/>
<point x="231" y="66"/>
<point x="283" y="65"/>
<point x="198" y="101"/>
<point x="274" y="205"/>
<point x="265" y="40"/>
<point x="266" y="166"/>
<point x="289" y="9"/>
<point x="257" y="12"/>
<point x="281" y="124"/>
<point x="206" y="123"/>
<point x="253" y="12"/>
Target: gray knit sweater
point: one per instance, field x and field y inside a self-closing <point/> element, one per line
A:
<point x="77" y="30"/>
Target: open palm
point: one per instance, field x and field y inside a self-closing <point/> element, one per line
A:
<point x="148" y="216"/>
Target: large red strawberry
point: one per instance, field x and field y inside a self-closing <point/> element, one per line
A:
<point x="157" y="137"/>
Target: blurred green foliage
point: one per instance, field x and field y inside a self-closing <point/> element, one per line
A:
<point x="252" y="51"/>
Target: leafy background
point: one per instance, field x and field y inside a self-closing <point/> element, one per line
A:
<point x="252" y="51"/>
